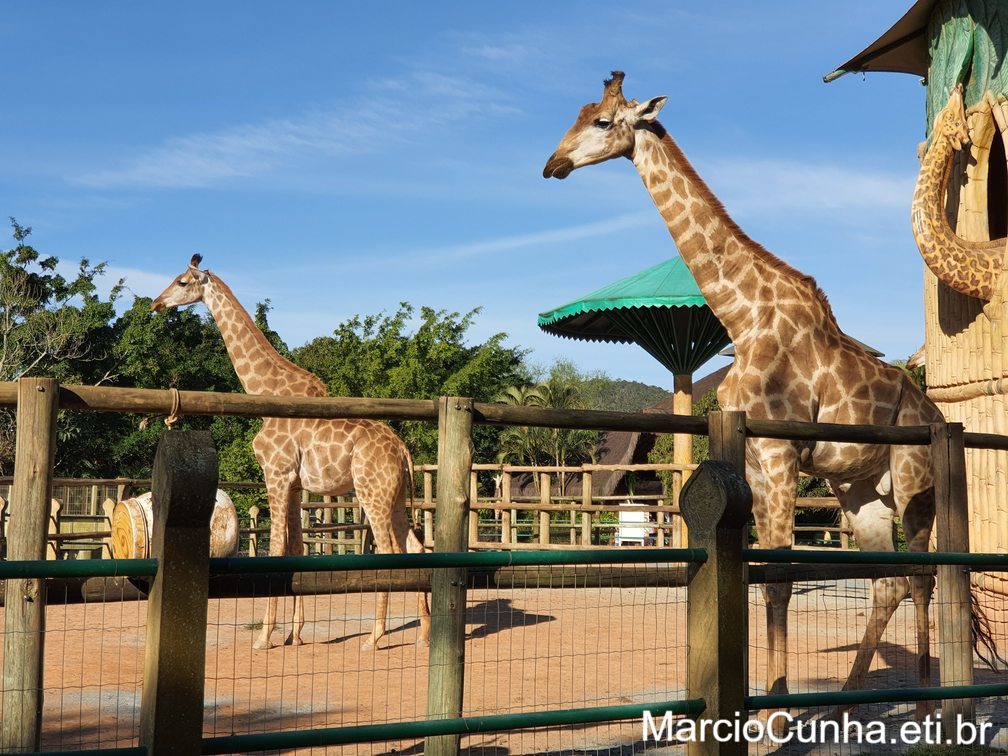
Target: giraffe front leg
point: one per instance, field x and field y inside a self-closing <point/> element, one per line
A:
<point x="278" y="491"/>
<point x="772" y="466"/>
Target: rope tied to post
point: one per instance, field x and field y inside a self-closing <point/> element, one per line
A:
<point x="176" y="409"/>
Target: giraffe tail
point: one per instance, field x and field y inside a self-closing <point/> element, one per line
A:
<point x="984" y="644"/>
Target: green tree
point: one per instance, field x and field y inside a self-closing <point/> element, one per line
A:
<point x="56" y="325"/>
<point x="382" y="356"/>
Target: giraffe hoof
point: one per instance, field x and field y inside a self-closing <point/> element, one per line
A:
<point x="292" y="641"/>
<point x="368" y="645"/>
<point x="423" y="642"/>
<point x="262" y="644"/>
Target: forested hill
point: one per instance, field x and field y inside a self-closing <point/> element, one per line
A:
<point x="629" y="396"/>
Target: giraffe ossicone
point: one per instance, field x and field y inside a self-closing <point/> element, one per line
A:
<point x="792" y="362"/>
<point x="329" y="457"/>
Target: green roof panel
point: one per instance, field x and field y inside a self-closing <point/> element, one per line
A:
<point x="660" y="308"/>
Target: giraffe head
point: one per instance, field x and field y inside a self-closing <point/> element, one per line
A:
<point x="603" y="130"/>
<point x="186" y="289"/>
<point x="950" y="122"/>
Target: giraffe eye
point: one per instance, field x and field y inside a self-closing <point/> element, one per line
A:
<point x="603" y="123"/>
<point x="183" y="283"/>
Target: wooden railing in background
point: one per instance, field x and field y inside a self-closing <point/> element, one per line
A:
<point x="335" y="525"/>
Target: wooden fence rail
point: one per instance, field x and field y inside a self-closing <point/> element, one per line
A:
<point x="335" y="525"/>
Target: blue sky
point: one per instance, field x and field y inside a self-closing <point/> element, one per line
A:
<point x="338" y="158"/>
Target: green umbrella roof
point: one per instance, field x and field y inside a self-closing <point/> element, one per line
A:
<point x="660" y="308"/>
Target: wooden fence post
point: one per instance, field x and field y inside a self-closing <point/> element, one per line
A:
<point x="24" y="599"/>
<point x="954" y="606"/>
<point x="184" y="488"/>
<point x="53" y="545"/>
<point x="546" y="499"/>
<point x="716" y="503"/>
<point x="446" y="669"/>
<point x="473" y="505"/>
<point x="727" y="434"/>
<point x="506" y="507"/>
<point x="428" y="513"/>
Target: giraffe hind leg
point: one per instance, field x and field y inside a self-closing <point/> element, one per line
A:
<point x="871" y="518"/>
<point x="383" y="545"/>
<point x="413" y="546"/>
<point x="295" y="547"/>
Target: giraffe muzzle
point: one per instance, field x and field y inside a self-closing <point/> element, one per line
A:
<point x="558" y="167"/>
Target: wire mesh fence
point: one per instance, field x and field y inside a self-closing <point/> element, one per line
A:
<point x="93" y="665"/>
<point x="827" y="620"/>
<point x="531" y="647"/>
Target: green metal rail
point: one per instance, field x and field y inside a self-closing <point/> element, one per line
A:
<point x="245" y="565"/>
<point x="989" y="562"/>
<point x="851" y="697"/>
<point x="78" y="568"/>
<point x="458" y="726"/>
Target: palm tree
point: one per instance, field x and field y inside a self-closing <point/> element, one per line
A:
<point x="541" y="446"/>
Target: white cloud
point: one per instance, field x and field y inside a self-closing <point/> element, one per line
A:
<point x="366" y="124"/>
<point x="501" y="244"/>
<point x="784" y="186"/>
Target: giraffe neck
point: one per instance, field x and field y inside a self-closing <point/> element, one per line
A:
<point x="968" y="267"/>
<point x="260" y="368"/>
<point x="735" y="274"/>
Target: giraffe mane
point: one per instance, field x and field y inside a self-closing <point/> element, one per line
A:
<point x="260" y="337"/>
<point x="759" y="251"/>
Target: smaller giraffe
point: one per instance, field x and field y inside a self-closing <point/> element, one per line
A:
<point x="329" y="457"/>
<point x="969" y="267"/>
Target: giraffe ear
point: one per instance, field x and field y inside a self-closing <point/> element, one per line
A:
<point x="648" y="111"/>
<point x="195" y="261"/>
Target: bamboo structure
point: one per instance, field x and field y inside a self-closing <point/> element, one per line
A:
<point x="967" y="340"/>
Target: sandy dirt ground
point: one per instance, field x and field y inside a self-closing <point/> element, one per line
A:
<point x="526" y="650"/>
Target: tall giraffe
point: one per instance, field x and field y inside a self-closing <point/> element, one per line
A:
<point x="329" y="457"/>
<point x="792" y="362"/>
<point x="969" y="267"/>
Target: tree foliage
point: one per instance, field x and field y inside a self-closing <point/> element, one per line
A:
<point x="51" y="324"/>
<point x="564" y="388"/>
<point x="400" y="356"/>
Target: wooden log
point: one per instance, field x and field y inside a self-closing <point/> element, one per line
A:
<point x="954" y="609"/>
<point x="185" y="482"/>
<point x="24" y="599"/>
<point x="716" y="504"/>
<point x="446" y="669"/>
<point x="586" y="505"/>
